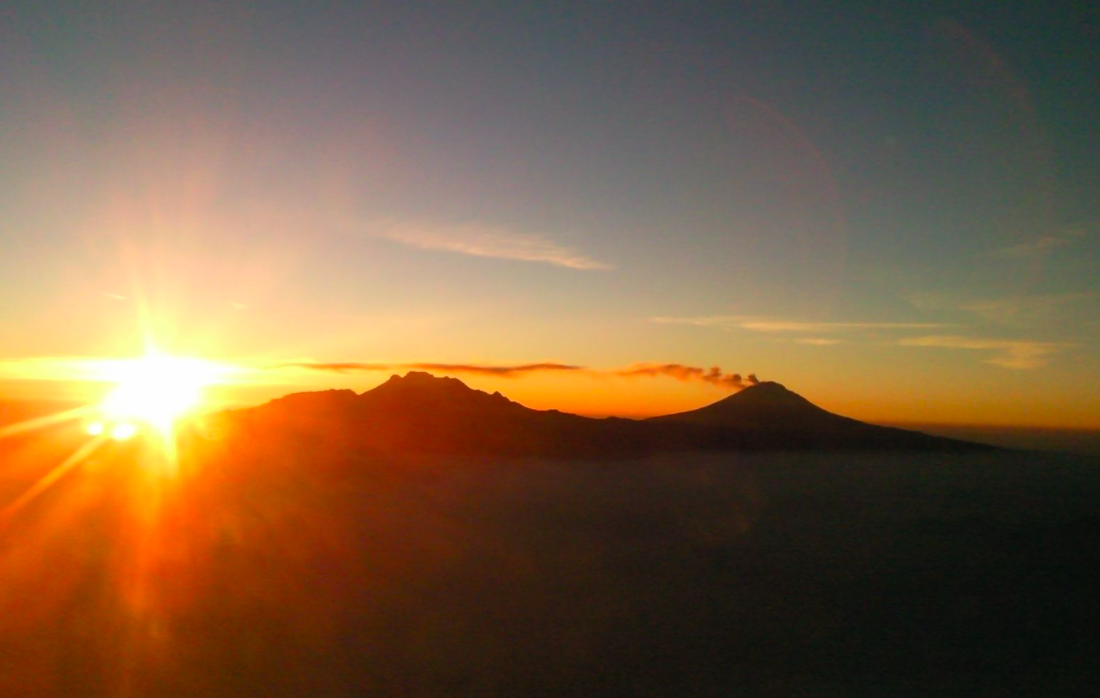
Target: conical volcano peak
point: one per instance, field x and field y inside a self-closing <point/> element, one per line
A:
<point x="767" y="387"/>
<point x="768" y="393"/>
<point x="763" y="404"/>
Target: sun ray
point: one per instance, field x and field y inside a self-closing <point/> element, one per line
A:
<point x="47" y="421"/>
<point x="49" y="479"/>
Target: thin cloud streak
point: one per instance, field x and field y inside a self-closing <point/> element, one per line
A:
<point x="757" y="324"/>
<point x="712" y="376"/>
<point x="1038" y="247"/>
<point x="819" y="341"/>
<point x="486" y="241"/>
<point x="501" y="371"/>
<point x="1023" y="310"/>
<point x="1014" y="354"/>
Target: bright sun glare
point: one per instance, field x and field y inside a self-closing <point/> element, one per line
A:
<point x="153" y="391"/>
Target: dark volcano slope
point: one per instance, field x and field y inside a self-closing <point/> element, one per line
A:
<point x="422" y="413"/>
<point x="768" y="415"/>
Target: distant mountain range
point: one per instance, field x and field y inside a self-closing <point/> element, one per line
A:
<point x="426" y="414"/>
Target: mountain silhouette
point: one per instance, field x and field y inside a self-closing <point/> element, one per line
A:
<point x="768" y="406"/>
<point x="764" y="405"/>
<point x="768" y="413"/>
<point x="422" y="413"/>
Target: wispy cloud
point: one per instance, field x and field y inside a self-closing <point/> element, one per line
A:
<point x="487" y="241"/>
<point x="819" y="341"/>
<point x="1023" y="310"/>
<point x="501" y="371"/>
<point x="1014" y="354"/>
<point x="758" y="324"/>
<point x="931" y="301"/>
<point x="680" y="372"/>
<point x="1039" y="246"/>
<point x="713" y="375"/>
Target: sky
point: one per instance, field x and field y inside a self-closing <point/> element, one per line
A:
<point x="892" y="209"/>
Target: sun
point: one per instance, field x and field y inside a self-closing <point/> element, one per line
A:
<point x="153" y="391"/>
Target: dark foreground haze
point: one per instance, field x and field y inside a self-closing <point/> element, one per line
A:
<point x="280" y="566"/>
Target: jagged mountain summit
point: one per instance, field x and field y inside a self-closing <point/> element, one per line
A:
<point x="422" y="413"/>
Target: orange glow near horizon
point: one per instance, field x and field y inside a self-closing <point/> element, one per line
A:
<point x="151" y="391"/>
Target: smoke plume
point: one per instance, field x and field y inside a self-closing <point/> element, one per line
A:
<point x="713" y="375"/>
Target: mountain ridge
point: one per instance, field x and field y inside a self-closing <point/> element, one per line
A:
<point x="420" y="412"/>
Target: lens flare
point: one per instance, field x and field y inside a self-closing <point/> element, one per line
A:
<point x="154" y="390"/>
<point x="123" y="431"/>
